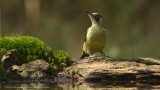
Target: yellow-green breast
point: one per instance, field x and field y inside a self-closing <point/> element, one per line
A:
<point x="95" y="39"/>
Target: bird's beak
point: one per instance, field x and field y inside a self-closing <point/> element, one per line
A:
<point x="91" y="17"/>
<point x="89" y="13"/>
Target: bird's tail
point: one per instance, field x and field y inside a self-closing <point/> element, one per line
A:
<point x="84" y="55"/>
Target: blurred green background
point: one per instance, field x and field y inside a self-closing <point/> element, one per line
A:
<point x="133" y="25"/>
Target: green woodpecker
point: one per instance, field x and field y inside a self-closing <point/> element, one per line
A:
<point x="96" y="37"/>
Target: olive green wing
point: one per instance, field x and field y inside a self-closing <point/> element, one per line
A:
<point x="85" y="39"/>
<point x="83" y="53"/>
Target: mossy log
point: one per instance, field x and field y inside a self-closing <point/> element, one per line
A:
<point x="109" y="70"/>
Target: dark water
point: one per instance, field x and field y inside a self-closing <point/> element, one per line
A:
<point x="76" y="86"/>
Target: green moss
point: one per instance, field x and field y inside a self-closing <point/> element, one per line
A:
<point x="31" y="48"/>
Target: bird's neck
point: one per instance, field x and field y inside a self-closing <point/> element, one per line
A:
<point x="96" y="25"/>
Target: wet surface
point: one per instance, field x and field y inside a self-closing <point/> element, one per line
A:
<point x="68" y="84"/>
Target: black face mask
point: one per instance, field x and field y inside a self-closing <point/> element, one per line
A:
<point x="97" y="17"/>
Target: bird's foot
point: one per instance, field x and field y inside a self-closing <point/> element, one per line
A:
<point x="91" y="56"/>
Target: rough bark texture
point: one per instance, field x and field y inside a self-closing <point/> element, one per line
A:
<point x="108" y="70"/>
<point x="10" y="58"/>
<point x="35" y="70"/>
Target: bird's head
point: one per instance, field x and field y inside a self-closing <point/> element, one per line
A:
<point x="96" y="18"/>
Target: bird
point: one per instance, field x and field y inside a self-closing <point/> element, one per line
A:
<point x="96" y="37"/>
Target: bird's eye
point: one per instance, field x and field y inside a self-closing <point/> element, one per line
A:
<point x="97" y="17"/>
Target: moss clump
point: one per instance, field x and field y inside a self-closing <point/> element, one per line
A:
<point x="31" y="48"/>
